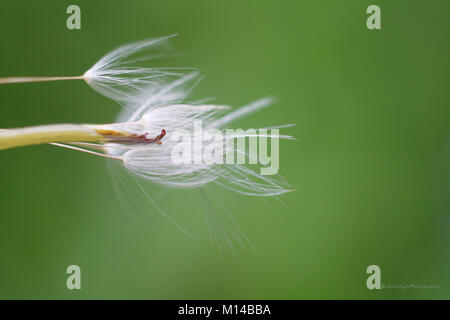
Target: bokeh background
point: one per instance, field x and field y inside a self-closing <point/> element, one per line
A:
<point x="370" y="166"/>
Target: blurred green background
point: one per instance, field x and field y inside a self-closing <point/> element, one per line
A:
<point x="370" y="167"/>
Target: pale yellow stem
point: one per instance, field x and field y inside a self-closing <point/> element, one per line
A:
<point x="20" y="137"/>
<point x="37" y="79"/>
<point x="107" y="156"/>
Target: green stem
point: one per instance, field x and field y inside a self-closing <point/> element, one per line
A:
<point x="20" y="137"/>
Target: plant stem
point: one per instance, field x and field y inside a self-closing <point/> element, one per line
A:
<point x="107" y="156"/>
<point x="20" y="137"/>
<point x="37" y="79"/>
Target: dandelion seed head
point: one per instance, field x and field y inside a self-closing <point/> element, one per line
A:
<point x="118" y="78"/>
<point x="166" y="108"/>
